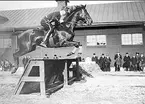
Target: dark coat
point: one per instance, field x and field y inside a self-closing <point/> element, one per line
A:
<point x="116" y="56"/>
<point x="107" y="64"/>
<point x="107" y="60"/>
<point x="133" y="61"/>
<point x="126" y="61"/>
<point x="102" y="63"/>
<point x="142" y="59"/>
<point x="138" y="59"/>
<point x="95" y="59"/>
<point x="54" y="16"/>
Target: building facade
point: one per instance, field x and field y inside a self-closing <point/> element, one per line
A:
<point x="110" y="40"/>
<point x="114" y="29"/>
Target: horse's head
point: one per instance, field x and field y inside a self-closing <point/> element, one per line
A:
<point x="84" y="16"/>
<point x="79" y="13"/>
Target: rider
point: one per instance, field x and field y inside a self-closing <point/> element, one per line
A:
<point x="64" y="12"/>
<point x="48" y="24"/>
<point x="51" y="24"/>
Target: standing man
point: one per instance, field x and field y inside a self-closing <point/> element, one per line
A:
<point x="95" y="58"/>
<point x="107" y="63"/>
<point x="102" y="62"/>
<point x="118" y="61"/>
<point x="126" y="63"/>
<point x="142" y="58"/>
<point x="138" y="61"/>
<point x="133" y="63"/>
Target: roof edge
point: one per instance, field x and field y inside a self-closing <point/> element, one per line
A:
<point x="122" y="23"/>
<point x="97" y="24"/>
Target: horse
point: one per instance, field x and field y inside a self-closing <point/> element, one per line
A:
<point x="61" y="37"/>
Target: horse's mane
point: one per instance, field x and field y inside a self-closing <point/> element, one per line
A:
<point x="74" y="9"/>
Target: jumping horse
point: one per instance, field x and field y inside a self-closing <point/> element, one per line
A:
<point x="62" y="35"/>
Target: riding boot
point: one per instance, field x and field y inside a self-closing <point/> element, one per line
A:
<point x="44" y="42"/>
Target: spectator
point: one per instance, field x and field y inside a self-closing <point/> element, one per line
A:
<point x="102" y="62"/>
<point x="2" y="64"/>
<point x="138" y="61"/>
<point x="118" y="61"/>
<point x="126" y="63"/>
<point x="88" y="59"/>
<point x="133" y="63"/>
<point x="142" y="58"/>
<point x="95" y="58"/>
<point x="107" y="63"/>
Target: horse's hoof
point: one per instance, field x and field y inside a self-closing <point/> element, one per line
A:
<point x="12" y="72"/>
<point x="80" y="53"/>
<point x="71" y="53"/>
<point x="43" y="45"/>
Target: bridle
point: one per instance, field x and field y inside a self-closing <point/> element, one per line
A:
<point x="86" y="19"/>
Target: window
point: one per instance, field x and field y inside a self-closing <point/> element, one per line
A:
<point x="5" y="42"/>
<point x="96" y="40"/>
<point x="132" y="39"/>
<point x="137" y="39"/>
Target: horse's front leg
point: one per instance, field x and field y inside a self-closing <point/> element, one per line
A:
<point x="76" y="45"/>
<point x="16" y="58"/>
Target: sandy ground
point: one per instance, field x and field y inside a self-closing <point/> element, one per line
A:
<point x="104" y="88"/>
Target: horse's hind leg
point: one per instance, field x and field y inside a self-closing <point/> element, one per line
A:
<point x="16" y="59"/>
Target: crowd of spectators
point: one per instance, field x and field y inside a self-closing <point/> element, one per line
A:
<point x="134" y="63"/>
<point x="128" y="63"/>
<point x="104" y="61"/>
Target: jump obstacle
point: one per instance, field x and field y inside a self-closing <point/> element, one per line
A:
<point x="62" y="51"/>
<point x="46" y="76"/>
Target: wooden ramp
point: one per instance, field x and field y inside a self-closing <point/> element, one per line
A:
<point x="40" y="75"/>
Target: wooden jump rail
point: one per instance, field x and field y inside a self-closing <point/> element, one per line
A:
<point x="40" y="78"/>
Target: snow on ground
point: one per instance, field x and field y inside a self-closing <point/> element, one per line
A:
<point x="104" y="88"/>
